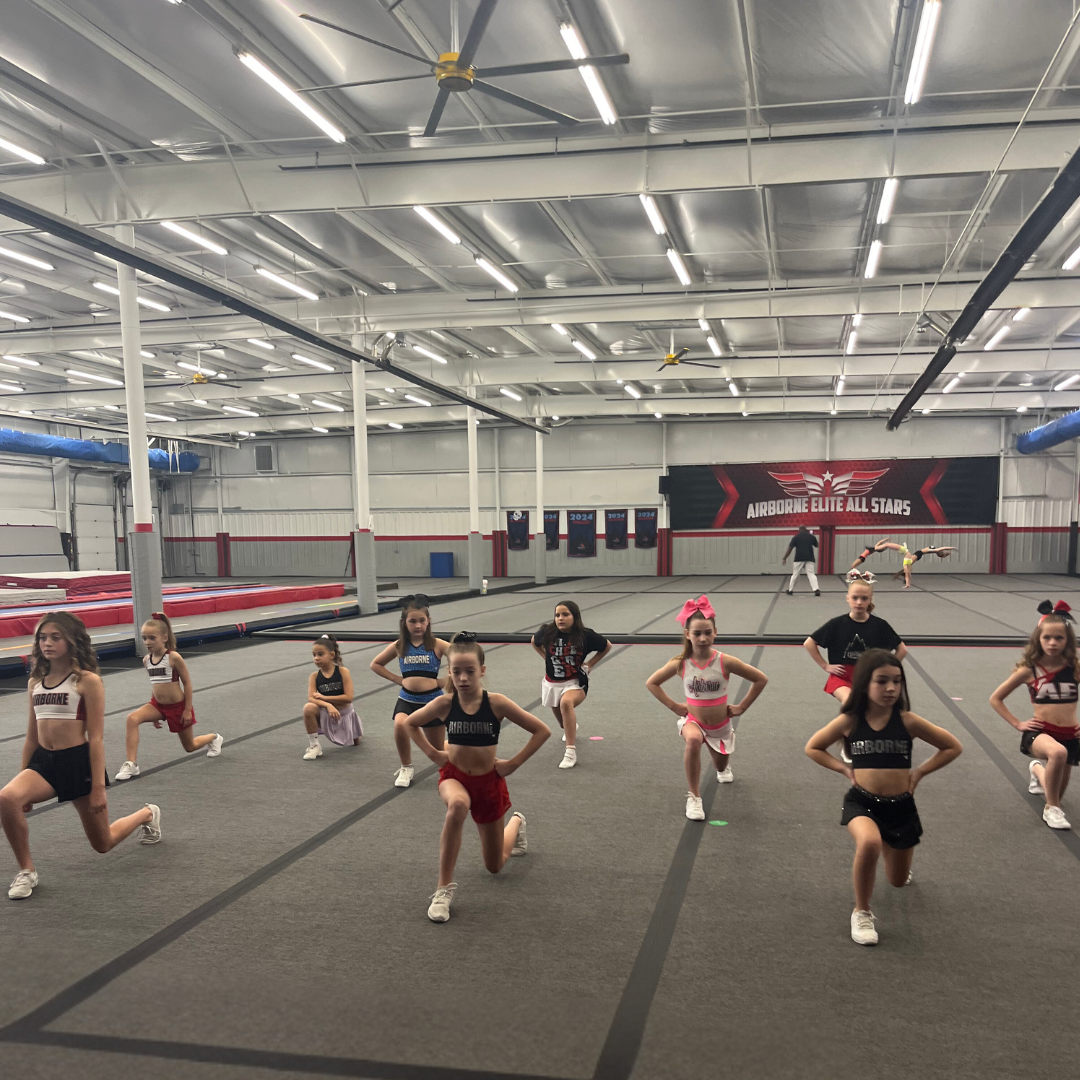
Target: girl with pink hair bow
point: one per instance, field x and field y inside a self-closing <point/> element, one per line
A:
<point x="706" y="717"/>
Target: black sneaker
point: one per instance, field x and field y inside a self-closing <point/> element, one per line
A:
<point x="817" y="592"/>
<point x="789" y="592"/>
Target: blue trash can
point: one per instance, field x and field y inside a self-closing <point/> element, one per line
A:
<point x="442" y="564"/>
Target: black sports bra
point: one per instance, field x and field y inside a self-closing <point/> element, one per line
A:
<point x="480" y="728"/>
<point x="889" y="748"/>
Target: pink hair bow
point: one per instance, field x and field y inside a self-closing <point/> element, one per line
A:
<point x="700" y="604"/>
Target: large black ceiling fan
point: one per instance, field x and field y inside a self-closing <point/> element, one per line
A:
<point x="455" y="73"/>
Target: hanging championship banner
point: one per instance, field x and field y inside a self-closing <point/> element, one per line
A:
<point x="551" y="529"/>
<point x="645" y="528"/>
<point x="581" y="533"/>
<point x="615" y="529"/>
<point x="517" y="530"/>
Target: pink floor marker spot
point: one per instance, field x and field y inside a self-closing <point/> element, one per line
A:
<point x="596" y="738"/>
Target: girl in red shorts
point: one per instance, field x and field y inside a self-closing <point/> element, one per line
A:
<point x="168" y="700"/>
<point x="472" y="775"/>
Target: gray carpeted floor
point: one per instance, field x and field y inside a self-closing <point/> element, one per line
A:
<point x="280" y="928"/>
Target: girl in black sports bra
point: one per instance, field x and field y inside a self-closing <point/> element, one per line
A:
<point x="879" y="808"/>
<point x="471" y="774"/>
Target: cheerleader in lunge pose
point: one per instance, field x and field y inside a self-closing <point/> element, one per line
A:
<point x="471" y="774"/>
<point x="706" y="717"/>
<point x="329" y="709"/>
<point x="879" y="808"/>
<point x="1049" y="668"/>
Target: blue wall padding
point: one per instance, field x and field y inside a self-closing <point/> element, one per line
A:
<point x="25" y="442"/>
<point x="1057" y="431"/>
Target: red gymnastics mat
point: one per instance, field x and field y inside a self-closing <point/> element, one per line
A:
<point x="110" y="613"/>
<point x="74" y="583"/>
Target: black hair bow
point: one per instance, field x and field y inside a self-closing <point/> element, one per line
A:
<point x="415" y="600"/>
<point x="464" y="635"/>
<point x="1060" y="608"/>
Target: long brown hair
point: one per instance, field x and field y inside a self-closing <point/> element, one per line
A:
<point x="160" y="622"/>
<point x="330" y="643"/>
<point x="550" y="633"/>
<point x="865" y="585"/>
<point x="859" y="698"/>
<point x="688" y="645"/>
<point x="80" y="649"/>
<point x="463" y="642"/>
<point x="418" y="602"/>
<point x="1033" y="649"/>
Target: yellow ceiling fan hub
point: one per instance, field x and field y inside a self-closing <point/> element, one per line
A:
<point x="671" y="358"/>
<point x="199" y="377"/>
<point x="451" y="76"/>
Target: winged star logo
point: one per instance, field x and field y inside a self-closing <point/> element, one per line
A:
<point x="804" y="484"/>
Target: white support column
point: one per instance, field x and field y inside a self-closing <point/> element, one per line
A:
<point x="498" y="480"/>
<point x="662" y="514"/>
<point x="144" y="549"/>
<point x="540" y="537"/>
<point x="476" y="540"/>
<point x="363" y="536"/>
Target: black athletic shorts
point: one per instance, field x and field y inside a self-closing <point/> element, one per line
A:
<point x="894" y="815"/>
<point x="67" y="772"/>
<point x="409" y="707"/>
<point x="1072" y="746"/>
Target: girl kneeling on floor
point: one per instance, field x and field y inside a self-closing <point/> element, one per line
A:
<point x="706" y="717"/>
<point x="169" y="701"/>
<point x="471" y="773"/>
<point x="329" y="710"/>
<point x="879" y="808"/>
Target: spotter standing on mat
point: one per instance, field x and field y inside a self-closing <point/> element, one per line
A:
<point x="419" y="655"/>
<point x="879" y="808"/>
<point x="329" y="708"/>
<point x="1049" y="668"/>
<point x="64" y="752"/>
<point x="706" y="717"/>
<point x="169" y="701"/>
<point x="471" y="774"/>
<point x="564" y="643"/>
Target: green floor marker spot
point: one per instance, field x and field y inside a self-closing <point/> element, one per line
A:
<point x="717" y="822"/>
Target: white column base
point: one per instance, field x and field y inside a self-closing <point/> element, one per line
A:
<point x="144" y="559"/>
<point x="364" y="556"/>
<point x="476" y="560"/>
<point x="540" y="542"/>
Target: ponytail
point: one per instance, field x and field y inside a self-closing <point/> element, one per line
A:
<point x="160" y="622"/>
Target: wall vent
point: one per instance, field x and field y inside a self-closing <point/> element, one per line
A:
<point x="264" y="457"/>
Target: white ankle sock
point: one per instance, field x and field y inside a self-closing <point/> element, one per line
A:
<point x="313" y="740"/>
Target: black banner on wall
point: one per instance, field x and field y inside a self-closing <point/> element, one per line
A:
<point x="517" y="530"/>
<point x="615" y="529"/>
<point x="580" y="533"/>
<point x="551" y="529"/>
<point x="645" y="528"/>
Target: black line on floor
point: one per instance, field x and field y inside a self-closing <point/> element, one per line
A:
<point x="990" y="748"/>
<point x="769" y="609"/>
<point x="949" y="600"/>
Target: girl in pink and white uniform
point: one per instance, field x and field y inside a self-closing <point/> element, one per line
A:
<point x="706" y="717"/>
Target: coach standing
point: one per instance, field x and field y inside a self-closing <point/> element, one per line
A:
<point x="803" y="543"/>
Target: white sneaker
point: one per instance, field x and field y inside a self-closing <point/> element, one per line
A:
<point x="150" y="833"/>
<point x="694" y="809"/>
<point x="521" y="844"/>
<point x="215" y="747"/>
<point x="1054" y="816"/>
<point x="439" y="911"/>
<point x="403" y="778"/>
<point x="24" y="884"/>
<point x="1033" y="784"/>
<point x="127" y="771"/>
<point x="725" y="777"/>
<point x="569" y="758"/>
<point x="312" y="752"/>
<point x="910" y="878"/>
<point x="862" y="928"/>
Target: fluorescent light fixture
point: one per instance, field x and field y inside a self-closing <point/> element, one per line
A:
<point x="496" y="273"/>
<point x="852" y="341"/>
<point x="659" y="416"/>
<point x="588" y="74"/>
<point x="96" y="378"/>
<point x="926" y="412"/>
<point x="326" y="405"/>
<point x="295" y="397"/>
<point x="222" y="375"/>
<point x="160" y="416"/>
<point x="260" y="343"/>
<point x="714" y="345"/>
<point x="1070" y="381"/>
<point x="312" y="363"/>
<point x="746" y="412"/>
<point x="1003" y="332"/>
<point x="888" y="197"/>
<point x="856" y="320"/>
<point x="633" y="391"/>
<point x="321" y="430"/>
<point x="619" y="381"/>
<point x="1022" y="314"/>
<point x="194" y="237"/>
<point x="439" y="226"/>
<point x="705" y="327"/>
<point x="873" y="259"/>
<point x="509" y="393"/>
<point x="12" y="317"/>
<point x="429" y="354"/>
<point x="146" y="354"/>
<point x="954" y="383"/>
<point x="111" y="408"/>
<point x="396" y="427"/>
<point x="307" y="294"/>
<point x="417" y="400"/>
<point x="1021" y="408"/>
<point x="18" y="256"/>
<point x="389" y="390"/>
<point x="101" y="358"/>
<point x="583" y="349"/>
<point x="113" y="291"/>
<point x="653" y="214"/>
<point x="19" y="151"/>
<point x="678" y="266"/>
<point x="560" y="329"/>
<point x="208" y="372"/>
<point x="733" y="388"/>
<point x="153" y="304"/>
<point x="22" y="360"/>
<point x="840" y="386"/>
<point x="554" y="417"/>
<point x="25" y="412"/>
<point x="832" y="412"/>
<point x="11" y="388"/>
<point x="238" y="411"/>
<point x="924" y="43"/>
<point x="253" y="63"/>
<point x="199" y="401"/>
<point x="1069" y="264"/>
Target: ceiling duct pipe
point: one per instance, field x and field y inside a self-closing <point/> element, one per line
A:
<point x="1063" y="192"/>
<point x="1057" y="431"/>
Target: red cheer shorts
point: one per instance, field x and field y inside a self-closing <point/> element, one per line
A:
<point x="174" y="714"/>
<point x="835" y="681"/>
<point x="487" y="793"/>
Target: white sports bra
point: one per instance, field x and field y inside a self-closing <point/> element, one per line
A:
<point x="706" y="685"/>
<point x="161" y="670"/>
<point x="60" y="702"/>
